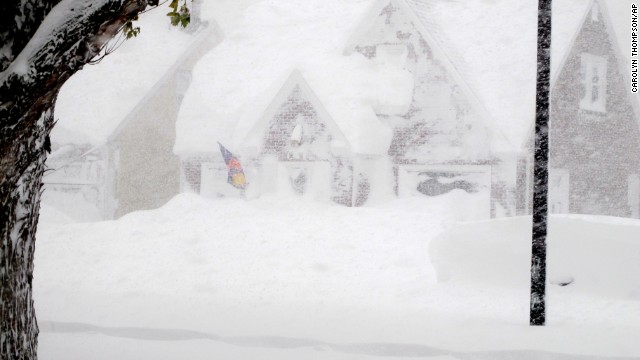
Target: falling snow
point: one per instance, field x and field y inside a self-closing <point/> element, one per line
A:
<point x="388" y="148"/>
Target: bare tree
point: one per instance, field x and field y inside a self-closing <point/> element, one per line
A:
<point x="541" y="169"/>
<point x="42" y="43"/>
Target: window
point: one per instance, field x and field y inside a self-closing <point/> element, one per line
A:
<point x="594" y="70"/>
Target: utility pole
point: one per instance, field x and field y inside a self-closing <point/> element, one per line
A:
<point x="541" y="169"/>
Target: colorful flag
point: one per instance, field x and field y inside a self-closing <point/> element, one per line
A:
<point x="236" y="175"/>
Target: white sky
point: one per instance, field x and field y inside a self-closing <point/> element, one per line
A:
<point x="621" y="15"/>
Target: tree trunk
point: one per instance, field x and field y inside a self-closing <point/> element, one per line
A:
<point x="38" y="64"/>
<point x="20" y="188"/>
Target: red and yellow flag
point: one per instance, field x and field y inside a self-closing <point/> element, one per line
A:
<point x="236" y="175"/>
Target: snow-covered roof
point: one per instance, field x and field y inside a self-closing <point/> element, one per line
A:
<point x="234" y="83"/>
<point x="97" y="99"/>
<point x="415" y="12"/>
<point x="295" y="82"/>
<point x="492" y="44"/>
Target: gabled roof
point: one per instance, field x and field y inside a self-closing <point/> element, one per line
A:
<point x="562" y="53"/>
<point x="236" y="82"/>
<point x="205" y="37"/>
<point x="97" y="99"/>
<point x="417" y="13"/>
<point x="622" y="64"/>
<point x="489" y="47"/>
<point x="492" y="44"/>
<point x="295" y="80"/>
<point x="495" y="45"/>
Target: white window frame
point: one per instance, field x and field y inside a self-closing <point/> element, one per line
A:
<point x="590" y="64"/>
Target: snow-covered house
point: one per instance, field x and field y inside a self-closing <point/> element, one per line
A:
<point x="295" y="146"/>
<point x="411" y="125"/>
<point x="300" y="148"/>
<point x="77" y="173"/>
<point x="594" y="143"/>
<point x="445" y="139"/>
<point x="594" y="124"/>
<point x="297" y="112"/>
<point x="119" y="158"/>
<point x="432" y="97"/>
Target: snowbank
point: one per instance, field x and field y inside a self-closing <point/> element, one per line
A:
<point x="49" y="214"/>
<point x="63" y="207"/>
<point x="594" y="255"/>
<point x="301" y="269"/>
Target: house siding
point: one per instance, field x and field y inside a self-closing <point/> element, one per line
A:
<point x="79" y="170"/>
<point x="599" y="150"/>
<point x="315" y="143"/>
<point x="147" y="174"/>
<point x="440" y="126"/>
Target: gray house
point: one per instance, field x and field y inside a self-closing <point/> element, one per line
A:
<point x="465" y="128"/>
<point x="135" y="168"/>
<point x="594" y="126"/>
<point x="440" y="140"/>
<point x="446" y="139"/>
<point x="298" y="149"/>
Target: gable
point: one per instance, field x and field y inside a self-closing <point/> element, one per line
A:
<point x="444" y="113"/>
<point x="296" y="125"/>
<point x="173" y="82"/>
<point x="393" y="22"/>
<point x="85" y="103"/>
<point x="593" y="115"/>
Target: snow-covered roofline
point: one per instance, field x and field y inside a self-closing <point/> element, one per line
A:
<point x="617" y="49"/>
<point x="499" y="143"/>
<point x="295" y="79"/>
<point x="235" y="83"/>
<point x="98" y="99"/>
<point x="626" y="75"/>
<point x="202" y="38"/>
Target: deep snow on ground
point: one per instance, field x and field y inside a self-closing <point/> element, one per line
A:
<point x="402" y="272"/>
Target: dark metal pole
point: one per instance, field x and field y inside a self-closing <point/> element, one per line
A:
<point x="541" y="168"/>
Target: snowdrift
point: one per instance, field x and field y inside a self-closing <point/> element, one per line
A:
<point x="595" y="255"/>
<point x="399" y="272"/>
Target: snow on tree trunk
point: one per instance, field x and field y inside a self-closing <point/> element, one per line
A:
<point x="42" y="45"/>
<point x="20" y="196"/>
<point x="541" y="169"/>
